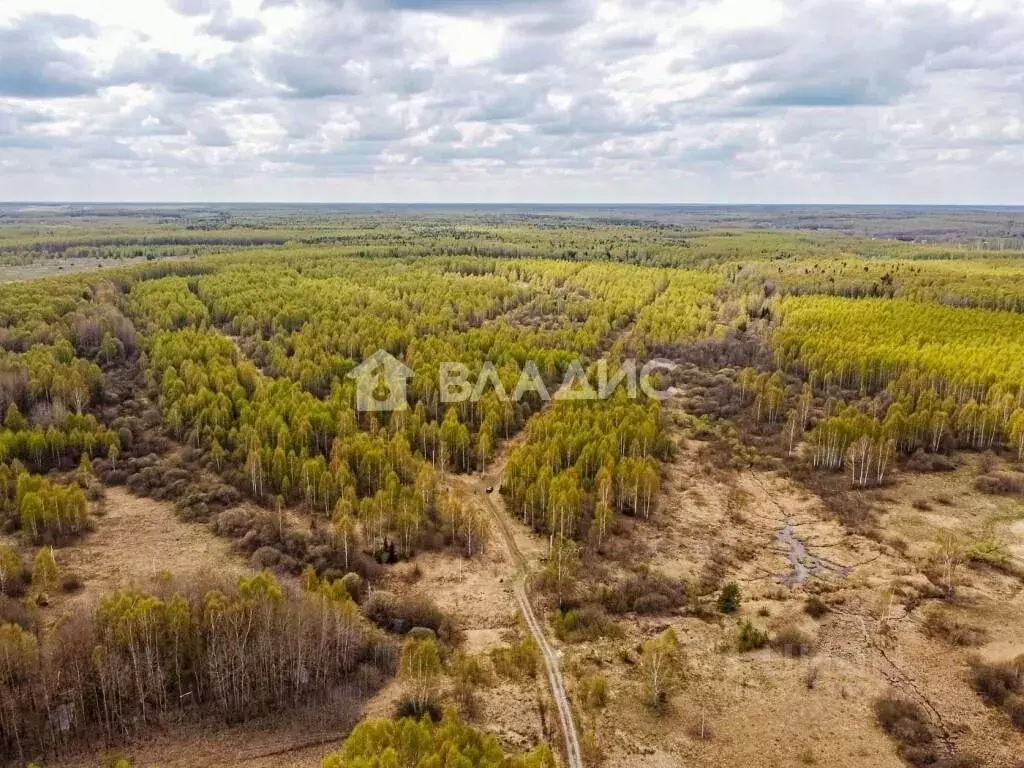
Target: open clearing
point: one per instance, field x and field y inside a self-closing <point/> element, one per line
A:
<point x="137" y="539"/>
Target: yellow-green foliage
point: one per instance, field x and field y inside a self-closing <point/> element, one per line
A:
<point x="380" y="743"/>
<point x="45" y="573"/>
<point x="11" y="567"/>
<point x="682" y="313"/>
<point x="991" y="284"/>
<point x="43" y="509"/>
<point x="659" y="664"/>
<point x="167" y="303"/>
<point x="957" y="375"/>
<point x="420" y="667"/>
<point x="517" y="661"/>
<point x="53" y="374"/>
<point x="587" y="459"/>
<point x="308" y="317"/>
<point x="31" y="312"/>
<point x="871" y="343"/>
<point x="46" y="447"/>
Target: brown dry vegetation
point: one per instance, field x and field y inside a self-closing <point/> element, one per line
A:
<point x="136" y="539"/>
<point x="764" y="707"/>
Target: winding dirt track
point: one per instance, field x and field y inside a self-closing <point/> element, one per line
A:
<point x="551" y="663"/>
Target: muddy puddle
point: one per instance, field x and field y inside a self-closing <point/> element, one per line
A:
<point x="804" y="564"/>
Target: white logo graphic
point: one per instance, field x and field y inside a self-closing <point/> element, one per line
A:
<point x="380" y="383"/>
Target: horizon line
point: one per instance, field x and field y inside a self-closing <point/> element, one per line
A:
<point x="469" y="204"/>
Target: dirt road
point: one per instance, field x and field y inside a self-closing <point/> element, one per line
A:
<point x="551" y="664"/>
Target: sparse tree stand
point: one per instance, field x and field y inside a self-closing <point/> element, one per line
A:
<point x="344" y="531"/>
<point x="563" y="566"/>
<point x="241" y="650"/>
<point x="658" y="663"/>
<point x="702" y="689"/>
<point x="10" y="566"/>
<point x="950" y="556"/>
<point x="45" y="573"/>
<point x="421" y="665"/>
<point x="469" y="675"/>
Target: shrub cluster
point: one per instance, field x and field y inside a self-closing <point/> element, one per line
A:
<point x="931" y="462"/>
<point x="646" y="592"/>
<point x="938" y="624"/>
<point x="815" y="607"/>
<point x="793" y="641"/>
<point x="196" y="495"/>
<point x="907" y="724"/>
<point x="751" y="638"/>
<point x="1000" y="482"/>
<point x="1002" y="685"/>
<point x="518" y="661"/>
<point x="588" y="622"/>
<point x="403" y="614"/>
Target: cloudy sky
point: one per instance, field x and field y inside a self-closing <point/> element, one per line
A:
<point x="513" y="100"/>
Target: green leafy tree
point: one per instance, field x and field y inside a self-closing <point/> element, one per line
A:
<point x="751" y="638"/>
<point x="45" y="573"/>
<point x="10" y="566"/>
<point x="730" y="598"/>
<point x="377" y="743"/>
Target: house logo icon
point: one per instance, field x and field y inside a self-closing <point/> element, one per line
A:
<point x="380" y="383"/>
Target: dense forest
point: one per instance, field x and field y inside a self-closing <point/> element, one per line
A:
<point x="239" y="650"/>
